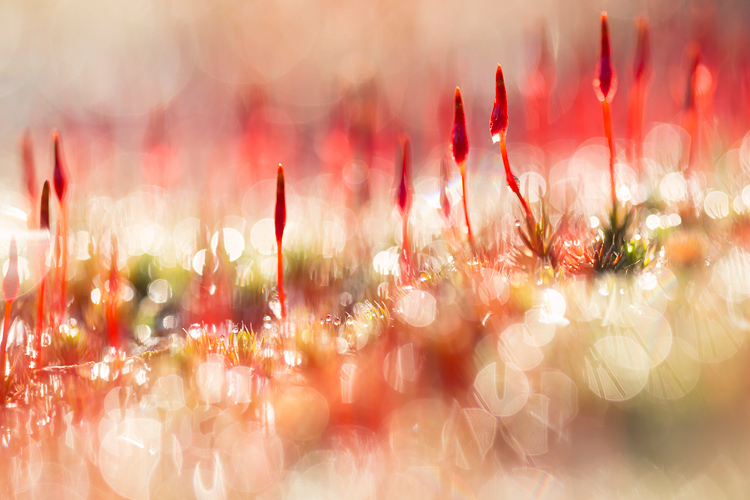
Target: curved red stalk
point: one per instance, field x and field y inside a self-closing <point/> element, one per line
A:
<point x="43" y="225"/>
<point x="29" y="167"/>
<point x="499" y="131"/>
<point x="404" y="200"/>
<point x="112" y="312"/>
<point x="280" y="223"/>
<point x="611" y="145"/>
<point x="513" y="184"/>
<point x="605" y="85"/>
<point x="60" y="181"/>
<point x="460" y="151"/>
<point x="11" y="287"/>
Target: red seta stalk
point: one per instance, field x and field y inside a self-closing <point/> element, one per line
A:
<point x="404" y="192"/>
<point x="610" y="143"/>
<point x="44" y="226"/>
<point x="112" y="311"/>
<point x="280" y="223"/>
<point x="605" y="85"/>
<point x="11" y="287"/>
<point x="499" y="132"/>
<point x="60" y="180"/>
<point x="460" y="151"/>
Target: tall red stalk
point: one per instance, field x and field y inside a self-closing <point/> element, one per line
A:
<point x="460" y="151"/>
<point x="280" y="223"/>
<point x="60" y="180"/>
<point x="112" y="311"/>
<point x="44" y="226"/>
<point x="404" y="192"/>
<point x="499" y="132"/>
<point x="605" y="85"/>
<point x="11" y="287"/>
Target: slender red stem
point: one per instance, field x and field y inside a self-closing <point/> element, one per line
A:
<point x="462" y="167"/>
<point x="112" y="327"/>
<point x="64" y="258"/>
<point x="280" y="270"/>
<point x="113" y="319"/>
<point x="513" y="184"/>
<point x="611" y="144"/>
<point x="4" y="345"/>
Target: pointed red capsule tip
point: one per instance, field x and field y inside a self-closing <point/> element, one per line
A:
<point x="605" y="82"/>
<point x="44" y="207"/>
<point x="642" y="48"/>
<point x="11" y="282"/>
<point x="404" y="189"/>
<point x="60" y="176"/>
<point x="499" y="117"/>
<point x="280" y="215"/>
<point x="459" y="139"/>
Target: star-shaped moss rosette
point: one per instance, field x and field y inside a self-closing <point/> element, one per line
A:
<point x="616" y="249"/>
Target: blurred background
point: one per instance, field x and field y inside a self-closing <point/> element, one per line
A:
<point x="169" y="91"/>
<point x="174" y="115"/>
